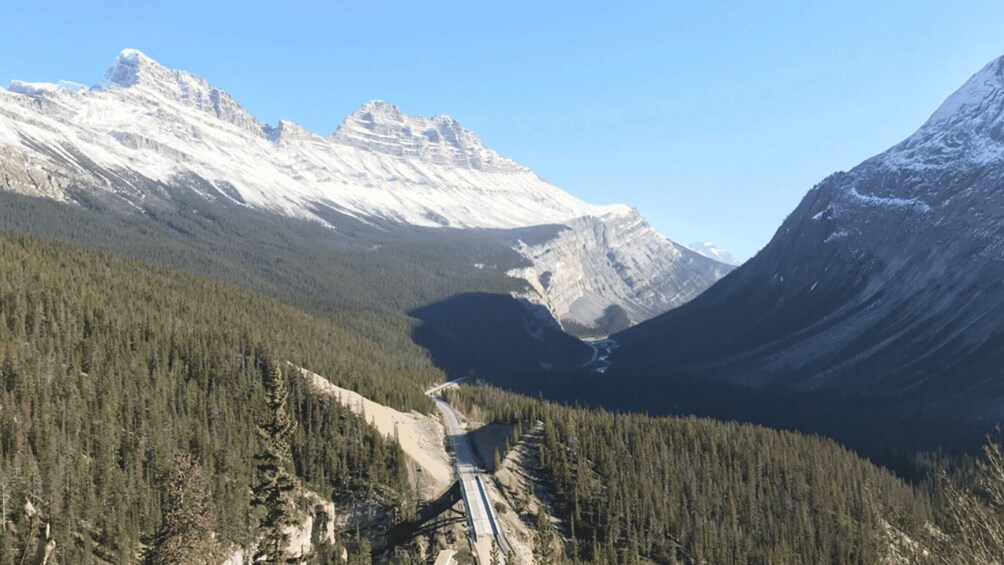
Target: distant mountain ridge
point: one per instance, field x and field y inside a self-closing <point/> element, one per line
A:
<point x="712" y="251"/>
<point x="147" y="124"/>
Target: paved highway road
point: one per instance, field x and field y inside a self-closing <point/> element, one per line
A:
<point x="481" y="515"/>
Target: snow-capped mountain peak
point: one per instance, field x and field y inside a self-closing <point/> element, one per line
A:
<point x="382" y="127"/>
<point x="165" y="124"/>
<point x="967" y="128"/>
<point x="131" y="66"/>
<point x="982" y="95"/>
<point x="378" y="111"/>
<point x="135" y="71"/>
<point x="712" y="251"/>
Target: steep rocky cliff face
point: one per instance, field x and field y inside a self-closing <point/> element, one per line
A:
<point x="147" y="127"/>
<point x="883" y="285"/>
<point x="614" y="260"/>
<point x="381" y="127"/>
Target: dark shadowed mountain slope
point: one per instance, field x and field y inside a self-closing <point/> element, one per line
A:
<point x="494" y="336"/>
<point x="885" y="285"/>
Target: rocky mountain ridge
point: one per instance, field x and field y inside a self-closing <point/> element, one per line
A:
<point x="149" y="125"/>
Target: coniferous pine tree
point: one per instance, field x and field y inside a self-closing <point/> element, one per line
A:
<point x="496" y="558"/>
<point x="363" y="554"/>
<point x="543" y="551"/>
<point x="274" y="489"/>
<point x="185" y="534"/>
<point x="975" y="514"/>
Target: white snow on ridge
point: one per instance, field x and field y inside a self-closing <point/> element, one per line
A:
<point x="848" y="199"/>
<point x="712" y="251"/>
<point x="872" y="200"/>
<point x="978" y="92"/>
<point x="964" y="135"/>
<point x="38" y="88"/>
<point x="965" y="130"/>
<point x="168" y="125"/>
<point x="381" y="127"/>
<point x="381" y="162"/>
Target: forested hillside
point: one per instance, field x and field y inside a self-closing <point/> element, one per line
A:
<point x="687" y="490"/>
<point x="109" y="367"/>
<point x="364" y="276"/>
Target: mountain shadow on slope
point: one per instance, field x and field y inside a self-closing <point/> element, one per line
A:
<point x="495" y="337"/>
<point x="363" y="275"/>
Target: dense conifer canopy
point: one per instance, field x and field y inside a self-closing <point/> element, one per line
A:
<point x="108" y="368"/>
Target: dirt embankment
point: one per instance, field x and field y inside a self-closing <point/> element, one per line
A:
<point x="421" y="437"/>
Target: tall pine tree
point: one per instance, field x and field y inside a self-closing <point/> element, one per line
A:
<point x="185" y="534"/>
<point x="274" y="489"/>
<point x="496" y="558"/>
<point x="543" y="551"/>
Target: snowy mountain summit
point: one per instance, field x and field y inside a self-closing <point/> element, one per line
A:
<point x="939" y="175"/>
<point x="133" y="69"/>
<point x="712" y="251"/>
<point x="147" y="125"/>
<point x="966" y="130"/>
<point x="382" y="127"/>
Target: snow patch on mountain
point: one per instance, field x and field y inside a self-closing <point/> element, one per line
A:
<point x="847" y="201"/>
<point x="870" y="200"/>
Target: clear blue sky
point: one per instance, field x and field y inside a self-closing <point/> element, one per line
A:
<point x="712" y="118"/>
